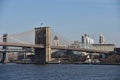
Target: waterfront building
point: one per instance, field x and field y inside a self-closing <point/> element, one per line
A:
<point x="104" y="47"/>
<point x="117" y="50"/>
<point x="87" y="41"/>
<point x="22" y="56"/>
<point x="12" y="56"/>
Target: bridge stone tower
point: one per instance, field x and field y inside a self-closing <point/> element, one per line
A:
<point x="42" y="36"/>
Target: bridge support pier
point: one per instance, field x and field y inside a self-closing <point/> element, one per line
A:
<point x="42" y="36"/>
<point x="3" y="57"/>
<point x="4" y="47"/>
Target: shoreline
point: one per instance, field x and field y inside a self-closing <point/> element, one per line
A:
<point x="77" y="63"/>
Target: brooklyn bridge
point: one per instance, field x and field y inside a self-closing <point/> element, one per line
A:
<point x="41" y="41"/>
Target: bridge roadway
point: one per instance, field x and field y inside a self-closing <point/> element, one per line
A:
<point x="20" y="45"/>
<point x="52" y="47"/>
<point x="80" y="49"/>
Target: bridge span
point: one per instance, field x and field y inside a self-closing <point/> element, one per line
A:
<point x="20" y="45"/>
<point x="52" y="47"/>
<point x="80" y="49"/>
<point x="42" y="46"/>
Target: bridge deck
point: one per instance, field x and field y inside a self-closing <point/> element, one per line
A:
<point x="80" y="49"/>
<point x="20" y="45"/>
<point x="52" y="47"/>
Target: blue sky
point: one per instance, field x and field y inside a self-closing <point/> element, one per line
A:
<point x="70" y="18"/>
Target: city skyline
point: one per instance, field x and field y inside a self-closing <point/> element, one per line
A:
<point x="71" y="18"/>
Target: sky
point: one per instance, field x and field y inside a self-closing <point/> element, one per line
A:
<point x="70" y="18"/>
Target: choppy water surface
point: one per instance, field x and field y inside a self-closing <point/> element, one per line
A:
<point x="59" y="72"/>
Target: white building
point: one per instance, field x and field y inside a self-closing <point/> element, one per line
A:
<point x="104" y="47"/>
<point x="87" y="41"/>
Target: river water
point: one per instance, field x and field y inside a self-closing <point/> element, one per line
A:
<point x="59" y="72"/>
